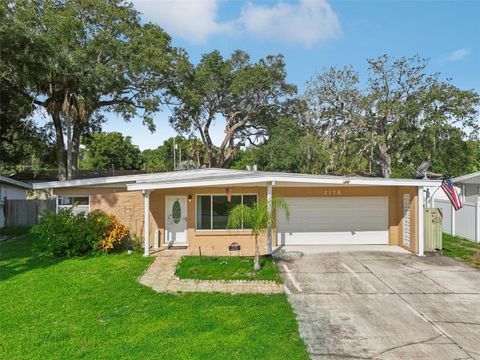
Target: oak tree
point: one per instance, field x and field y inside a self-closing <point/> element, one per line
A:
<point x="401" y="106"/>
<point x="243" y="95"/>
<point x="99" y="58"/>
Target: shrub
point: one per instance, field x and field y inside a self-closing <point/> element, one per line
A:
<point x="135" y="242"/>
<point x="114" y="235"/>
<point x="69" y="234"/>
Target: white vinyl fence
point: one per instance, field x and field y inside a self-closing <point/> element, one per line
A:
<point x="464" y="223"/>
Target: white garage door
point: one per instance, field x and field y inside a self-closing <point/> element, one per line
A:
<point x="329" y="221"/>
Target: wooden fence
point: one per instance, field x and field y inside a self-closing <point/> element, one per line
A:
<point x="26" y="212"/>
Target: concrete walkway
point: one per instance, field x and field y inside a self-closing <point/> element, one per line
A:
<point x="161" y="277"/>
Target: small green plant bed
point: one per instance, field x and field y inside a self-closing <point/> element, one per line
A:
<point x="461" y="249"/>
<point x="14" y="231"/>
<point x="226" y="268"/>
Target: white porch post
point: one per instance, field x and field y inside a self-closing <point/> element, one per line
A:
<point x="269" y="224"/>
<point x="421" y="245"/>
<point x="146" y="222"/>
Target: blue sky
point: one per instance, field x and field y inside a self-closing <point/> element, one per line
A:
<point x="316" y="34"/>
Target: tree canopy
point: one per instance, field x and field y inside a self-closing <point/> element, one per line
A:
<point x="66" y="64"/>
<point x="96" y="57"/>
<point x="190" y="153"/>
<point x="247" y="97"/>
<point x="402" y="115"/>
<point x="21" y="140"/>
<point x="106" y="150"/>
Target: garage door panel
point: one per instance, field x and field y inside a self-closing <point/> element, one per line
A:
<point x="349" y="220"/>
<point x="333" y="238"/>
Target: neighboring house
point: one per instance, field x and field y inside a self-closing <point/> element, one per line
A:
<point x="30" y="177"/>
<point x="190" y="208"/>
<point x="465" y="222"/>
<point x="52" y="175"/>
<point x="11" y="190"/>
<point x="469" y="186"/>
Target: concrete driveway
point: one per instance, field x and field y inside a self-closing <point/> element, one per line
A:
<point x="358" y="304"/>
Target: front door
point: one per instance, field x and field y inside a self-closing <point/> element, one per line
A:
<point x="176" y="220"/>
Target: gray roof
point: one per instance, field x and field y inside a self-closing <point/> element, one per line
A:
<point x="12" y="182"/>
<point x="472" y="178"/>
<point x="216" y="177"/>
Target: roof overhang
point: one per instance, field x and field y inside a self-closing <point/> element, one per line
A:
<point x="226" y="177"/>
<point x="110" y="181"/>
<point x="12" y="182"/>
<point x="473" y="178"/>
<point x="280" y="181"/>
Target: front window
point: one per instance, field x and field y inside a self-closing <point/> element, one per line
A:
<point x="79" y="203"/>
<point x="213" y="210"/>
<point x="72" y="200"/>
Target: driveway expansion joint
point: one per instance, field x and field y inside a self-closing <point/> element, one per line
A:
<point x="436" y="327"/>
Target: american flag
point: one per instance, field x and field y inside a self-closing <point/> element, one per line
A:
<point x="451" y="192"/>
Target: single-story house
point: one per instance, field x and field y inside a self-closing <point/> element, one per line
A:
<point x="190" y="208"/>
<point x="11" y="189"/>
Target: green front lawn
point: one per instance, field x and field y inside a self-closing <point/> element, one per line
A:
<point x="14" y="230"/>
<point x="226" y="268"/>
<point x="461" y="249"/>
<point x="94" y="308"/>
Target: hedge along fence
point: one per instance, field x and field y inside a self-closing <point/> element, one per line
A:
<point x="26" y="212"/>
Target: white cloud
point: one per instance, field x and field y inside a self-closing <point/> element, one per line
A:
<point x="459" y="54"/>
<point x="305" y="22"/>
<point x="192" y="20"/>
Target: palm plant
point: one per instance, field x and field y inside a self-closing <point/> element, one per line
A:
<point x="259" y="218"/>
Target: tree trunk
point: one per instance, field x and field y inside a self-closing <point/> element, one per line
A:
<point x="72" y="166"/>
<point x="59" y="146"/>
<point x="256" y="261"/>
<point x="212" y="159"/>
<point x="385" y="161"/>
<point x="68" y="125"/>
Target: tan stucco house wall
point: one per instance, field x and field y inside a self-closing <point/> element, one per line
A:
<point x="128" y="206"/>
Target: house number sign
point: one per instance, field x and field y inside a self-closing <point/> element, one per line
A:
<point x="332" y="192"/>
